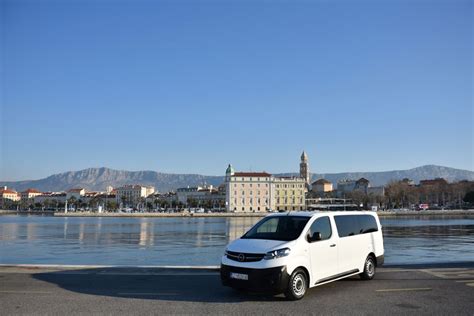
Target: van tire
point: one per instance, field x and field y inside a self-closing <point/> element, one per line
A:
<point x="297" y="285"/>
<point x="369" y="269"/>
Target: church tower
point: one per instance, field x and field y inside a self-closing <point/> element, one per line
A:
<point x="304" y="168"/>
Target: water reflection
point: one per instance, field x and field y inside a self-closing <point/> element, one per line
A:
<point x="200" y="241"/>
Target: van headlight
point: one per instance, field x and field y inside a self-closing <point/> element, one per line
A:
<point x="277" y="253"/>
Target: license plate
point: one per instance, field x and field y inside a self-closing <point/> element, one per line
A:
<point x="239" y="276"/>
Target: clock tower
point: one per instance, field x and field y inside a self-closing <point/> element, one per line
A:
<point x="304" y="169"/>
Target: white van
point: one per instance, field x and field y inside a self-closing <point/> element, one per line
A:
<point x="291" y="252"/>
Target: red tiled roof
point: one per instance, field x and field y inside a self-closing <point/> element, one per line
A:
<point x="8" y="191"/>
<point x="252" y="174"/>
<point x="31" y="191"/>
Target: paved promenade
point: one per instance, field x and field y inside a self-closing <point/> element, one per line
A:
<point x="127" y="291"/>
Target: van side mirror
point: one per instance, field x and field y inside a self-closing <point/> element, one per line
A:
<point x="315" y="237"/>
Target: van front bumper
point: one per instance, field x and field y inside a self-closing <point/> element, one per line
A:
<point x="272" y="280"/>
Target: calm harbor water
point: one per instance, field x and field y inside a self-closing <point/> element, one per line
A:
<point x="201" y="241"/>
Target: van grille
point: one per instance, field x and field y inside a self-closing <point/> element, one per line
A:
<point x="244" y="257"/>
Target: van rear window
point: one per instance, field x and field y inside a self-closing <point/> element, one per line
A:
<point x="350" y="225"/>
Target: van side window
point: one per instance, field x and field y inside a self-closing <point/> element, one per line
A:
<point x="367" y="224"/>
<point x="351" y="225"/>
<point x="347" y="225"/>
<point x="323" y="226"/>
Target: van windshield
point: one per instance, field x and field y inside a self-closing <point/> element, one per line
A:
<point x="283" y="228"/>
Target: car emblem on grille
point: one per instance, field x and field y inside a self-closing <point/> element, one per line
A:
<point x="241" y="257"/>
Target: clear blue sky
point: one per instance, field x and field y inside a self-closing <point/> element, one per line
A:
<point x="187" y="88"/>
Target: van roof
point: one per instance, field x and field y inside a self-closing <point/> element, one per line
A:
<point x="313" y="213"/>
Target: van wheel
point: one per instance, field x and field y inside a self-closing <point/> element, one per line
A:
<point x="369" y="269"/>
<point x="297" y="285"/>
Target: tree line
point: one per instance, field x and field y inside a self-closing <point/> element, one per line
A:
<point x="403" y="194"/>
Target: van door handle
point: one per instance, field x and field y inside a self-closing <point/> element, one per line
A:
<point x="333" y="245"/>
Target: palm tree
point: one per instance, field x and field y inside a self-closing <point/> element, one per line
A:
<point x="72" y="201"/>
<point x="99" y="201"/>
<point x="46" y="204"/>
<point x="124" y="200"/>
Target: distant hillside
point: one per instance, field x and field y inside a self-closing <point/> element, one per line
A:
<point x="99" y="178"/>
<point x="416" y="174"/>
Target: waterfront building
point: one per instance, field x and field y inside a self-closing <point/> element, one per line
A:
<point x="345" y="186"/>
<point x="304" y="169"/>
<point x="28" y="195"/>
<point x="149" y="190"/>
<point x="321" y="186"/>
<point x="183" y="194"/>
<point x="289" y="193"/>
<point x="362" y="185"/>
<point x="54" y="197"/>
<point x="205" y="196"/>
<point x="162" y="199"/>
<point x="133" y="193"/>
<point x="9" y="194"/>
<point x="249" y="191"/>
<point x="76" y="193"/>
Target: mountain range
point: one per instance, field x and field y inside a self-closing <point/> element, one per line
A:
<point x="99" y="178"/>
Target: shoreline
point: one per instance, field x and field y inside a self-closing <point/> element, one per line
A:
<point x="243" y="214"/>
<point x="189" y="268"/>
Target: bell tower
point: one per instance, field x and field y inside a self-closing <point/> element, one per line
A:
<point x="304" y="168"/>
